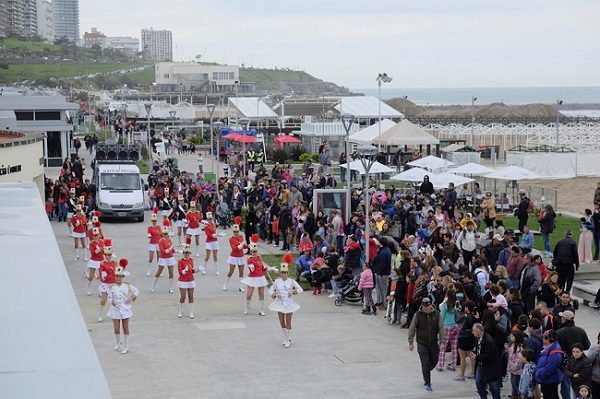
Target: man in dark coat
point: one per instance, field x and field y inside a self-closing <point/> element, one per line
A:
<point x="489" y="365"/>
<point x="450" y="201"/>
<point x="522" y="211"/>
<point x="566" y="260"/>
<point x="285" y="221"/>
<point x="568" y="335"/>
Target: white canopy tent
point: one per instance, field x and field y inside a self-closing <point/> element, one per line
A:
<point x="375" y="168"/>
<point x="548" y="165"/>
<point x="430" y="162"/>
<point x="513" y="173"/>
<point x="368" y="134"/>
<point x="443" y="179"/>
<point x="406" y="133"/>
<point x="474" y="169"/>
<point x="412" y="174"/>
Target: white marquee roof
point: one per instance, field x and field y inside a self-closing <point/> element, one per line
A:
<point x="370" y="133"/>
<point x="406" y="133"/>
<point x="366" y="107"/>
<point x="252" y="107"/>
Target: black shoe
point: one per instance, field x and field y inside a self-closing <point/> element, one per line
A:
<point x="374" y="310"/>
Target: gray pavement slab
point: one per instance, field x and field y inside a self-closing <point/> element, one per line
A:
<point x="336" y="352"/>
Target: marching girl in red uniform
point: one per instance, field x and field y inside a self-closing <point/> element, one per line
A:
<point x="165" y="248"/>
<point x="96" y="256"/>
<point x="79" y="224"/>
<point x="236" y="257"/>
<point x="187" y="282"/>
<point x="154" y="234"/>
<point x="256" y="276"/>
<point x="212" y="244"/>
<point x="106" y="274"/>
<point x="193" y="219"/>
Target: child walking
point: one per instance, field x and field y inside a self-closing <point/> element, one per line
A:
<point x="527" y="381"/>
<point x="515" y="360"/>
<point x="366" y="285"/>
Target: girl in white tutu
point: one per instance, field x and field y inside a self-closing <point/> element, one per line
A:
<point x="193" y="219"/>
<point x="121" y="296"/>
<point x="282" y="291"/>
<point x="79" y="223"/>
<point x="212" y="243"/>
<point x="186" y="282"/>
<point x="154" y="235"/>
<point x="256" y="276"/>
<point x="236" y="257"/>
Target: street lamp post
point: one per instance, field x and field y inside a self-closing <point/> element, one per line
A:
<point x="219" y="126"/>
<point x="172" y="113"/>
<point x="347" y="121"/>
<point x="106" y="118"/>
<point x="472" y="141"/>
<point x="211" y="109"/>
<point x="148" y="107"/>
<point x="367" y="154"/>
<point x="244" y="121"/>
<point x="381" y="78"/>
<point x="124" y="122"/>
<point x="404" y="107"/>
<point x="558" y="103"/>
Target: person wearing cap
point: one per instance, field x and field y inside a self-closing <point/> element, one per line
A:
<point x="547" y="372"/>
<point x="154" y="233"/>
<point x="282" y="291"/>
<point x="186" y="282"/>
<point x="71" y="204"/>
<point x="165" y="205"/>
<point x="106" y="274"/>
<point x="256" y="276"/>
<point x="165" y="258"/>
<point x="428" y="327"/>
<point x="566" y="260"/>
<point x="193" y="218"/>
<point x="79" y="232"/>
<point x="530" y="282"/>
<point x="96" y="257"/>
<point x="212" y="243"/>
<point x="489" y="367"/>
<point x="492" y="251"/>
<point x="522" y="211"/>
<point x="236" y="256"/>
<point x="179" y="213"/>
<point x="121" y="296"/>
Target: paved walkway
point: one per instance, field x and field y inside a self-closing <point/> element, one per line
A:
<point x="336" y="352"/>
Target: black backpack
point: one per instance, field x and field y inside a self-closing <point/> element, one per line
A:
<point x="565" y="359"/>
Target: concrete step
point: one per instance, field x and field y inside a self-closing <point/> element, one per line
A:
<point x="585" y="290"/>
<point x="590" y="271"/>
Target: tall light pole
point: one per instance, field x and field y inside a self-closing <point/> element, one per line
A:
<point x="347" y="121"/>
<point x="472" y="141"/>
<point x="404" y="107"/>
<point x="124" y="122"/>
<point x="244" y="121"/>
<point x="106" y="118"/>
<point x="367" y="154"/>
<point x="148" y="107"/>
<point x="381" y="78"/>
<point x="219" y="126"/>
<point x="211" y="109"/>
<point x="558" y="103"/>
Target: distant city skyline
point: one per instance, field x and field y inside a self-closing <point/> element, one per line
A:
<point x="421" y="44"/>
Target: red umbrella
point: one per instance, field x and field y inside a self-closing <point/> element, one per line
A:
<point x="287" y="139"/>
<point x="233" y="136"/>
<point x="245" y="138"/>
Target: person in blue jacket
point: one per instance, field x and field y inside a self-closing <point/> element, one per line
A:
<point x="303" y="265"/>
<point x="548" y="373"/>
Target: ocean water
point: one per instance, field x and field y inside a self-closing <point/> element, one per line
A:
<point x="508" y="95"/>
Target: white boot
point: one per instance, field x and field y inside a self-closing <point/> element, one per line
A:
<point x="217" y="269"/>
<point x="170" y="286"/>
<point x="126" y="346"/>
<point x="247" y="307"/>
<point x="180" y="314"/>
<point x="89" y="288"/>
<point x="203" y="268"/>
<point x="289" y="339"/>
<point x="285" y="338"/>
<point x="241" y="289"/>
<point x="100" y="314"/>
<point x="225" y="285"/>
<point x="154" y="284"/>
<point x="76" y="254"/>
<point x="149" y="267"/>
<point x="118" y="344"/>
<point x="262" y="304"/>
<point x="198" y="251"/>
<point x="191" y="310"/>
<point x="85" y="253"/>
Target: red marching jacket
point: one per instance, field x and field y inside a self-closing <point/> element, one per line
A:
<point x="234" y="242"/>
<point x="188" y="266"/>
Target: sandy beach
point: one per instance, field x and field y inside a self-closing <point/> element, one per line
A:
<point x="574" y="195"/>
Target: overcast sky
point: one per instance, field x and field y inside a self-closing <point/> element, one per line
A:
<point x="421" y="43"/>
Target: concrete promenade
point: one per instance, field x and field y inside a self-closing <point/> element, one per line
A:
<point x="336" y="352"/>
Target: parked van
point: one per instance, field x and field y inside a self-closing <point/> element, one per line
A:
<point x="119" y="189"/>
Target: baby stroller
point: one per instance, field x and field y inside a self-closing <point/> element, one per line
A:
<point x="349" y="292"/>
<point x="223" y="215"/>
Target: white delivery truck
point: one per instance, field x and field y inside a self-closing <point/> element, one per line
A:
<point x="119" y="189"/>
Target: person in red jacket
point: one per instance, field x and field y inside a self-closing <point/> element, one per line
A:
<point x="236" y="257"/>
<point x="256" y="276"/>
<point x="106" y="274"/>
<point x="186" y="283"/>
<point x="154" y="234"/>
<point x="166" y="252"/>
<point x="193" y="219"/>
<point x="212" y="244"/>
<point x="79" y="233"/>
<point x="96" y="256"/>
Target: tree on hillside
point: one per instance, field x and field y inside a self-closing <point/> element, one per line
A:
<point x="63" y="41"/>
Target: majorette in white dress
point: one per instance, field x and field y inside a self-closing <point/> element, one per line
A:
<point x="121" y="295"/>
<point x="284" y="302"/>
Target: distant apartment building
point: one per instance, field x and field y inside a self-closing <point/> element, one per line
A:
<point x="157" y="45"/>
<point x="195" y="77"/>
<point x="129" y="46"/>
<point x="3" y="27"/>
<point x="66" y="19"/>
<point x="13" y="11"/>
<point x="45" y="24"/>
<point x="30" y="18"/>
<point x="94" y="37"/>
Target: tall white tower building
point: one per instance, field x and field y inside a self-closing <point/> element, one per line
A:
<point x="66" y="19"/>
<point x="157" y="45"/>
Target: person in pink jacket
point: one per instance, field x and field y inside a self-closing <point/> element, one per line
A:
<point x="366" y="285"/>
